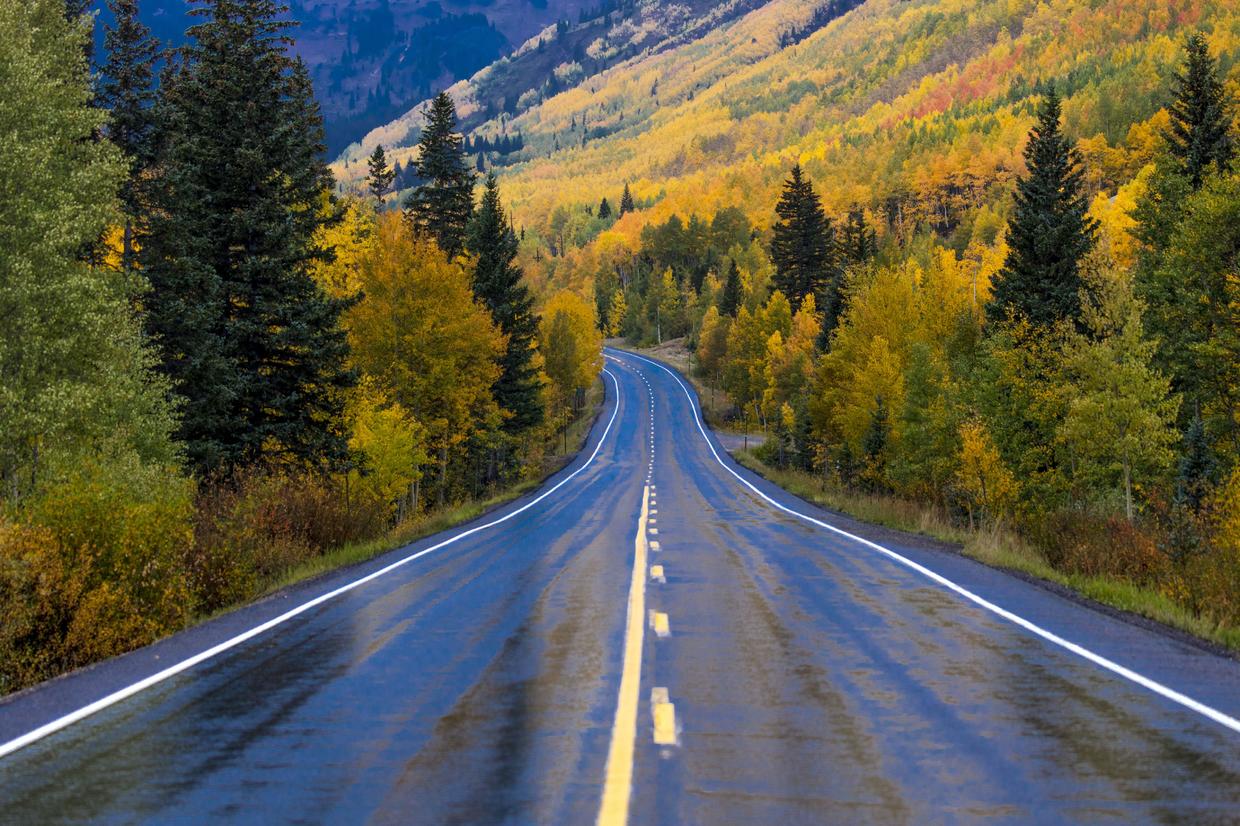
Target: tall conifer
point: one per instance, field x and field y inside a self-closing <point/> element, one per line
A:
<point x="802" y="246"/>
<point x="251" y="343"/>
<point x="626" y="201"/>
<point x="497" y="285"/>
<point x="730" y="297"/>
<point x="127" y="92"/>
<point x="442" y="206"/>
<point x="1200" y="133"/>
<point x="379" y="176"/>
<point x="1049" y="232"/>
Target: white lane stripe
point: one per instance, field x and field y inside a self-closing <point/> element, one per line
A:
<point x="121" y="694"/>
<point x="1110" y="665"/>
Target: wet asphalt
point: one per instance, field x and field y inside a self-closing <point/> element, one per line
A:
<point x="814" y="680"/>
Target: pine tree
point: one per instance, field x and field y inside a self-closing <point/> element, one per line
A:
<point x="730" y="298"/>
<point x="859" y="243"/>
<point x="497" y="285"/>
<point x="380" y="176"/>
<point x="802" y="246"/>
<point x="1200" y="134"/>
<point x="252" y="345"/>
<point x="604" y="209"/>
<point x="626" y="201"/>
<point x="874" y="445"/>
<point x="443" y="205"/>
<point x="1198" y="467"/>
<point x="1049" y="232"/>
<point x="127" y="92"/>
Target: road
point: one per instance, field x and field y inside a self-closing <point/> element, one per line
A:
<point x="792" y="665"/>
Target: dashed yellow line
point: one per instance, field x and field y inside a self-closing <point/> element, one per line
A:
<point x="664" y="713"/>
<point x="660" y="623"/>
<point x="656" y="573"/>
<point x="618" y="784"/>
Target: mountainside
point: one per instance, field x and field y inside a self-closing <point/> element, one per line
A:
<point x="372" y="59"/>
<point x="914" y="111"/>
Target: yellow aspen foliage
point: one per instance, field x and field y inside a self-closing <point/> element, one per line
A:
<point x="351" y="238"/>
<point x="421" y="336"/>
<point x="615" y="315"/>
<point x="986" y="486"/>
<point x="570" y="342"/>
<point x="712" y="345"/>
<point x="392" y="443"/>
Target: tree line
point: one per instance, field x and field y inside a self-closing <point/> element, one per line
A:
<point x="214" y="368"/>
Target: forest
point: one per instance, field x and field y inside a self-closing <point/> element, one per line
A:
<point x="1063" y="375"/>
<point x="214" y="371"/>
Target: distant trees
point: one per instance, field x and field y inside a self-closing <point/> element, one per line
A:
<point x="250" y="343"/>
<point x="379" y="176"/>
<point x="442" y="206"/>
<point x="604" y="209"/>
<point x="1049" y="232"/>
<point x="497" y="284"/>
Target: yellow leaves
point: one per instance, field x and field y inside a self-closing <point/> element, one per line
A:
<point x="393" y="444"/>
<point x="352" y="238"/>
<point x="988" y="488"/>
<point x="419" y="333"/>
<point x="570" y="342"/>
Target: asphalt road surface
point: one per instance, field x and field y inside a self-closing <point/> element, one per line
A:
<point x="656" y="635"/>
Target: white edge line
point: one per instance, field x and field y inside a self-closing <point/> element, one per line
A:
<point x="1110" y="665"/>
<point x="172" y="670"/>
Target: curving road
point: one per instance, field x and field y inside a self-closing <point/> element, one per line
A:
<point x="658" y="635"/>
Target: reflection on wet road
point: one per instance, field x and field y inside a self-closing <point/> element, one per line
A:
<point x="799" y="677"/>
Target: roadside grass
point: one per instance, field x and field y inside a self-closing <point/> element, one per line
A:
<point x="994" y="546"/>
<point x="435" y="521"/>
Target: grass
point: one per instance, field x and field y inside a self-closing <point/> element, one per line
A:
<point x="434" y="521"/>
<point x="996" y="547"/>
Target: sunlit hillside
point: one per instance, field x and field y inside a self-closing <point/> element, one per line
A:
<point x="916" y="111"/>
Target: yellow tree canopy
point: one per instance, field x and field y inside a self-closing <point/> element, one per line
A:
<point x="419" y="333"/>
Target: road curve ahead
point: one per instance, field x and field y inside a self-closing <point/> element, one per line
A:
<point x="657" y="636"/>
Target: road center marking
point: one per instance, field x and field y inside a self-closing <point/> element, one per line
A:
<point x="1097" y="659"/>
<point x="618" y="784"/>
<point x="664" y="713"/>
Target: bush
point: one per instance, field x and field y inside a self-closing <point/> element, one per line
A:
<point x="1093" y="545"/>
<point x="252" y="529"/>
<point x="92" y="566"/>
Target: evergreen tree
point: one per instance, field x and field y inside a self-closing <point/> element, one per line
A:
<point x="730" y="298"/>
<point x="1049" y="232"/>
<point x="127" y="92"/>
<point x="443" y="205"/>
<point x="1200" y="134"/>
<point x="802" y="246"/>
<point x="497" y="285"/>
<point x="379" y="176"/>
<point x="1198" y="467"/>
<point x="252" y="345"/>
<point x="626" y="201"/>
<point x="874" y="445"/>
<point x="859" y="243"/>
<point x="604" y="209"/>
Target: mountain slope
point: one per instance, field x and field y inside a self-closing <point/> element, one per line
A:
<point x="916" y="111"/>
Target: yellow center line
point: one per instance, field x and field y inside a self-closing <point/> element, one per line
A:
<point x="618" y="785"/>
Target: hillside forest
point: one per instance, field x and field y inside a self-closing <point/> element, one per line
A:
<point x="213" y="369"/>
